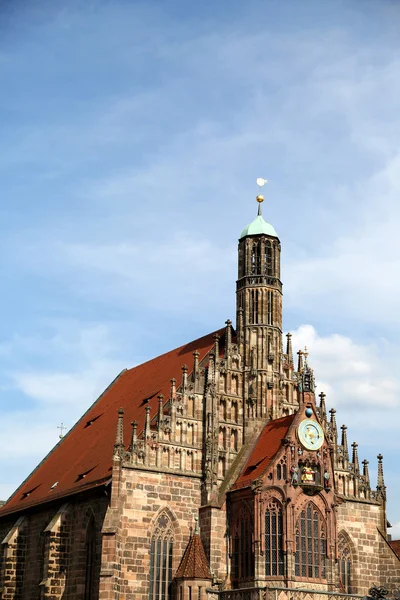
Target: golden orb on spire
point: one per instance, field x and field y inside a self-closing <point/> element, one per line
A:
<point x="260" y="198"/>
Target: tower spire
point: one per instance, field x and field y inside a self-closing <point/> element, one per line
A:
<point x="381" y="488"/>
<point x="344" y="443"/>
<point x="366" y="471"/>
<point x="119" y="438"/>
<point x="289" y="349"/>
<point x="259" y="311"/>
<point x="356" y="466"/>
<point x="322" y="407"/>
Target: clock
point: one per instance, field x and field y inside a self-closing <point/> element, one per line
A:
<point x="310" y="434"/>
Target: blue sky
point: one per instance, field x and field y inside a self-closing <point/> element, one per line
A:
<point x="131" y="135"/>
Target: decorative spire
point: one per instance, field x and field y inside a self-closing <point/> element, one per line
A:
<point x="160" y="408"/>
<point x="344" y="443"/>
<point x="134" y="425"/>
<point x="322" y="406"/>
<point x="366" y="470"/>
<point x="196" y="355"/>
<point x="196" y="526"/>
<point x="119" y="439"/>
<point x="173" y="388"/>
<point x="300" y="361"/>
<point x="355" y="462"/>
<point x="289" y="349"/>
<point x="216" y="347"/>
<point x="184" y="378"/>
<point x="147" y="422"/>
<point x="381" y="488"/>
<point x="228" y="336"/>
<point x="305" y="354"/>
<point x="333" y="424"/>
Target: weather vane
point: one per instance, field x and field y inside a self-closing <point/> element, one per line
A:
<point x="260" y="198"/>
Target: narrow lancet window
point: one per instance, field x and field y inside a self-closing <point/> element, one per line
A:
<point x="161" y="556"/>
<point x="274" y="556"/>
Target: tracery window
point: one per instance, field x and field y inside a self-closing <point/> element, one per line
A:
<point x="274" y="556"/>
<point x="345" y="565"/>
<point x="310" y="556"/>
<point x="161" y="555"/>
<point x="242" y="545"/>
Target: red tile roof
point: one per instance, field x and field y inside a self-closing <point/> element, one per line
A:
<point x="83" y="458"/>
<point x="194" y="563"/>
<point x="264" y="451"/>
<point x="395" y="545"/>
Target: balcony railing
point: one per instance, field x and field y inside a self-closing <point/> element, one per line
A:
<point x="275" y="593"/>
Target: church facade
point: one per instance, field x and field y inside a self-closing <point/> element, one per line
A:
<point x="212" y="471"/>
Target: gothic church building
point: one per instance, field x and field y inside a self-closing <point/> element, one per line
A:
<point x="211" y="472"/>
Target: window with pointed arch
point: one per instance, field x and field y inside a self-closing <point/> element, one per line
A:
<point x="242" y="545"/>
<point x="345" y="564"/>
<point x="90" y="560"/>
<point x="268" y="263"/>
<point x="310" y="555"/>
<point x="161" y="555"/>
<point x="274" y="556"/>
<point x="255" y="259"/>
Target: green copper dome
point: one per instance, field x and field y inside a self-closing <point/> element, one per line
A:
<point x="257" y="227"/>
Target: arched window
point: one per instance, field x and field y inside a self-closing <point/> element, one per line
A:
<point x="268" y="258"/>
<point x="255" y="259"/>
<point x="161" y="553"/>
<point x="90" y="560"/>
<point x="345" y="565"/>
<point x="274" y="564"/>
<point x="242" y="545"/>
<point x="310" y="556"/>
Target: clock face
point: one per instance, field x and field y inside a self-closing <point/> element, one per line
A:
<point x="310" y="434"/>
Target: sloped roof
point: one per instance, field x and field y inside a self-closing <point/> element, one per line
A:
<point x="83" y="458"/>
<point x="395" y="545"/>
<point x="266" y="447"/>
<point x="194" y="563"/>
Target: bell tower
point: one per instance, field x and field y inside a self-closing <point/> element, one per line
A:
<point x="259" y="317"/>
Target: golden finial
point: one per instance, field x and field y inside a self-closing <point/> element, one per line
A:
<point x="260" y="182"/>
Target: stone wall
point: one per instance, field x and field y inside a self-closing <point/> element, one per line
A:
<point x="130" y="523"/>
<point x="374" y="561"/>
<point x="43" y="552"/>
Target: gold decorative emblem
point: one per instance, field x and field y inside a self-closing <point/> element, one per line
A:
<point x="310" y="434"/>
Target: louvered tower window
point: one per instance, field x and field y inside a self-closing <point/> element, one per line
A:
<point x="255" y="259"/>
<point x="274" y="557"/>
<point x="242" y="545"/>
<point x="345" y="565"/>
<point x="310" y="536"/>
<point x="161" y="554"/>
<point x="268" y="263"/>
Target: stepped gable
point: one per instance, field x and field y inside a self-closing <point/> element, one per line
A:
<point x="82" y="459"/>
<point x="194" y="563"/>
<point x="267" y="445"/>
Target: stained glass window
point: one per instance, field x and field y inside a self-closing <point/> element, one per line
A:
<point x="345" y="565"/>
<point x="274" y="561"/>
<point x="161" y="555"/>
<point x="310" y="537"/>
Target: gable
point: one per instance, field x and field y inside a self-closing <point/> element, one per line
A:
<point x="83" y="458"/>
<point x="266" y="448"/>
